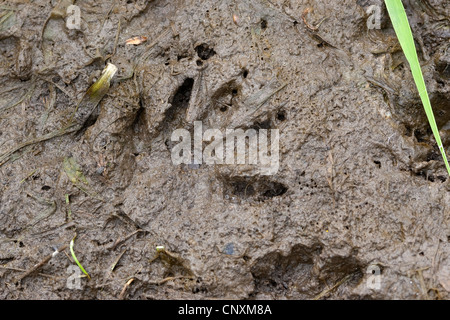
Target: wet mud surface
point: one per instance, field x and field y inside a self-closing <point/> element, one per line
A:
<point x="361" y="196"/>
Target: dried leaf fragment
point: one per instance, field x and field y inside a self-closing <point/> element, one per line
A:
<point x="136" y="40"/>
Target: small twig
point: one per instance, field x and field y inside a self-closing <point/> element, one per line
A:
<point x="41" y="264"/>
<point x="11" y="89"/>
<point x="312" y="28"/>
<point x="340" y="282"/>
<point x="113" y="266"/>
<point x="29" y="175"/>
<point x="25" y="96"/>
<point x="23" y="270"/>
<point x="382" y="85"/>
<point x="57" y="86"/>
<point x="423" y="287"/>
<point x="109" y="12"/>
<point x="122" y="216"/>
<point x="124" y="290"/>
<point x="433" y="261"/>
<point x="160" y="282"/>
<point x="65" y="225"/>
<point x="119" y="241"/>
<point x="57" y="133"/>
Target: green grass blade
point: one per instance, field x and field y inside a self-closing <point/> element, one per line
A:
<point x="403" y="30"/>
<point x="75" y="258"/>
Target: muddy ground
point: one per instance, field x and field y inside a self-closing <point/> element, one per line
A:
<point x="360" y="205"/>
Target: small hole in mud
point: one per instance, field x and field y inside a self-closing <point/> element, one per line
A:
<point x="263" y="24"/>
<point x="262" y="189"/>
<point x="204" y="51"/>
<point x="408" y="131"/>
<point x="139" y="118"/>
<point x="421" y="254"/>
<point x="181" y="56"/>
<point x="295" y="23"/>
<point x="180" y="100"/>
<point x="234" y="92"/>
<point x="243" y="188"/>
<point x="433" y="155"/>
<point x="419" y="135"/>
<point x="199" y="62"/>
<point x="223" y="108"/>
<point x="21" y="245"/>
<point x="378" y="163"/>
<point x="46" y="188"/>
<point x="320" y="45"/>
<point x="448" y="238"/>
<point x="245" y="73"/>
<point x="276" y="190"/>
<point x="246" y="258"/>
<point x="281" y="115"/>
<point x="266" y="124"/>
<point x="197" y="290"/>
